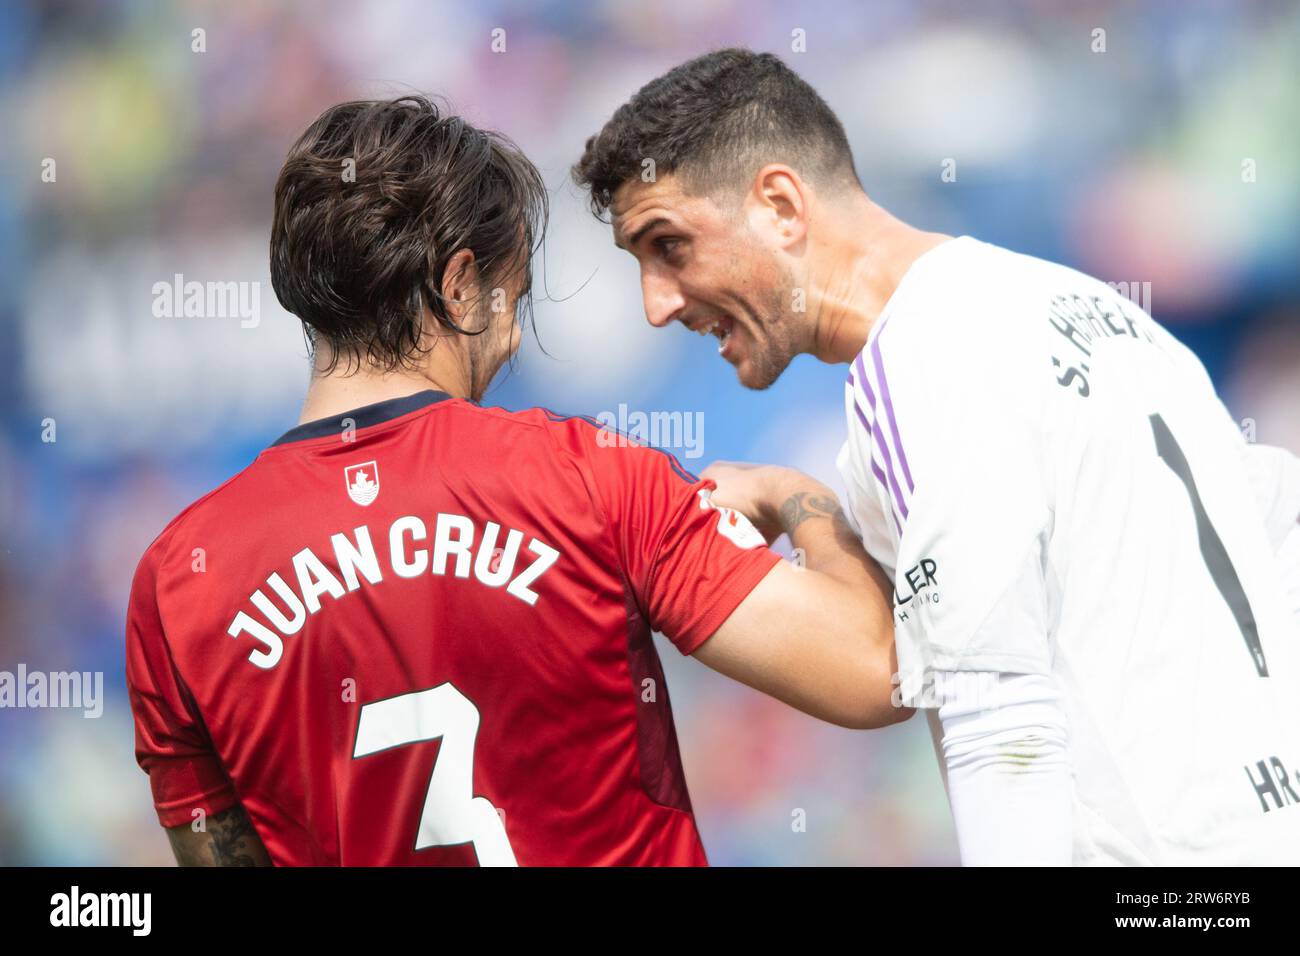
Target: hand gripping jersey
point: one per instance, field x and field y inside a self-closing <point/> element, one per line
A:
<point x="420" y="634"/>
<point x="1056" y="489"/>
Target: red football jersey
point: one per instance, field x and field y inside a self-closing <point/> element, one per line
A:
<point x="419" y="634"/>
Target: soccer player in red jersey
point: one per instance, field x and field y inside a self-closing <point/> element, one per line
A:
<point x="421" y="631"/>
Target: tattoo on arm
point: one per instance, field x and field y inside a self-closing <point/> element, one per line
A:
<point x="228" y="840"/>
<point x="803" y="505"/>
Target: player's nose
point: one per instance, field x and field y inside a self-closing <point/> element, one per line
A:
<point x="662" y="297"/>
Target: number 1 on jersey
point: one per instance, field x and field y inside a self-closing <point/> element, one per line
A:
<point x="1212" y="549"/>
<point x="452" y="815"/>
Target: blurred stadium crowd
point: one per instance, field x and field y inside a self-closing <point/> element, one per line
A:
<point x="1168" y="156"/>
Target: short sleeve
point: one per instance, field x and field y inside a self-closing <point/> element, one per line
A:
<point x="1274" y="475"/>
<point x="1289" y="557"/>
<point x="689" y="564"/>
<point x="171" y="742"/>
<point x="957" y="470"/>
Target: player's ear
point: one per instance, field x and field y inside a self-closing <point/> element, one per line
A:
<point x="778" y="201"/>
<point x="460" y="285"/>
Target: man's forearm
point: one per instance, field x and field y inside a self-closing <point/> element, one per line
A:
<point x="811" y="516"/>
<point x="227" y="839"/>
<point x="819" y="637"/>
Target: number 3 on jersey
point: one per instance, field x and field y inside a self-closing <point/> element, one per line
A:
<point x="452" y="815"/>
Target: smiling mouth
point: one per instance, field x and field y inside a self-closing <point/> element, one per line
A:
<point x="720" y="328"/>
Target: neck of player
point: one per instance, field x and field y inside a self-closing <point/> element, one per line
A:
<point x="861" y="254"/>
<point x="447" y="366"/>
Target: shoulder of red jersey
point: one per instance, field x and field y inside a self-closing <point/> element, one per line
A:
<point x="153" y="554"/>
<point x="583" y="435"/>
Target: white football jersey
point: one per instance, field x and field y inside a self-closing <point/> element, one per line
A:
<point x="1055" y="488"/>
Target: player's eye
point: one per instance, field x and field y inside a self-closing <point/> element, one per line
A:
<point x="667" y="245"/>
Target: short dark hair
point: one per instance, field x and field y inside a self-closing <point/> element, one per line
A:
<point x="715" y="120"/>
<point x="356" y="256"/>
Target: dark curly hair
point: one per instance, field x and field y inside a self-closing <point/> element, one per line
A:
<point x="716" y="120"/>
<point x="355" y="257"/>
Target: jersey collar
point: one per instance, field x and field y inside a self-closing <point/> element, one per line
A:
<point x="363" y="417"/>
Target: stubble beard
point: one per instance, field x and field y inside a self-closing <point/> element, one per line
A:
<point x="773" y="355"/>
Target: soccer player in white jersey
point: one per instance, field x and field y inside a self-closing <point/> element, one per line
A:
<point x="1088" y="558"/>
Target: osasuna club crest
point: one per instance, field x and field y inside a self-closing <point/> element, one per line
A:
<point x="362" y="482"/>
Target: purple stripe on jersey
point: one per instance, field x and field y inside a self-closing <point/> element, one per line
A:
<point x="864" y="381"/>
<point x="875" y="465"/>
<point x="889" y="409"/>
<point x="892" y="482"/>
<point x="861" y="417"/>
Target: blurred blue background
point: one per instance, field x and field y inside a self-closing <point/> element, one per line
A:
<point x="1169" y="158"/>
